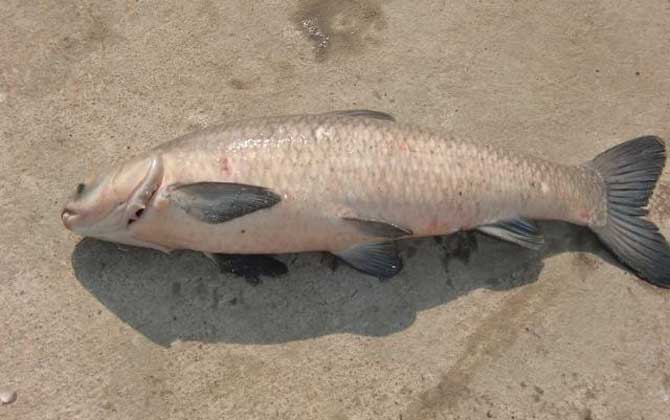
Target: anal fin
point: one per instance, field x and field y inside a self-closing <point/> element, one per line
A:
<point x="520" y="231"/>
<point x="377" y="259"/>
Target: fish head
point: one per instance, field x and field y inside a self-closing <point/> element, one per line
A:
<point x="111" y="206"/>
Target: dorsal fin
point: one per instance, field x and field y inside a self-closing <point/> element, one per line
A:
<point x="363" y="113"/>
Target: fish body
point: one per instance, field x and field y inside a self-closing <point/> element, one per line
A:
<point x="347" y="182"/>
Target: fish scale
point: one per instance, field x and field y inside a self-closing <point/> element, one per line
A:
<point x="329" y="166"/>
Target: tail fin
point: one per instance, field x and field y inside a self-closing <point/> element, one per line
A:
<point x="630" y="172"/>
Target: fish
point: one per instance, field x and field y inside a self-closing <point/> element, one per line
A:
<point x="354" y="182"/>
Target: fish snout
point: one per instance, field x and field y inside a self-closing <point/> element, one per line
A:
<point x="68" y="216"/>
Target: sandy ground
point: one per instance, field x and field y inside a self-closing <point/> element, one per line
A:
<point x="90" y="330"/>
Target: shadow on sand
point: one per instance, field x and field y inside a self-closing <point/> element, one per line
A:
<point x="184" y="296"/>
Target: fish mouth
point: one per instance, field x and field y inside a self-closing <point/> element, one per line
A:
<point x="69" y="217"/>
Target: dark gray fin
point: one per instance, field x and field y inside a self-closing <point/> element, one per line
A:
<point x="378" y="229"/>
<point x="377" y="259"/>
<point x="630" y="172"/>
<point x="218" y="202"/>
<point x="364" y="113"/>
<point x="249" y="266"/>
<point x="520" y="231"/>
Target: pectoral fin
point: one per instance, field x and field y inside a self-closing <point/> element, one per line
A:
<point x="520" y="231"/>
<point x="377" y="259"/>
<point x="218" y="202"/>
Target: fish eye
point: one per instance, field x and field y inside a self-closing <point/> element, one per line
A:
<point x="136" y="216"/>
<point x="80" y="188"/>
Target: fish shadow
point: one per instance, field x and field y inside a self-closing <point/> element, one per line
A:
<point x="183" y="296"/>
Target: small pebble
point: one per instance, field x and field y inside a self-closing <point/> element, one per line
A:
<point x="7" y="397"/>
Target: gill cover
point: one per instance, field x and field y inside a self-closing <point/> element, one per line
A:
<point x="140" y="197"/>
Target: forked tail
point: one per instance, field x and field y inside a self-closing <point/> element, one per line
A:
<point x="630" y="172"/>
